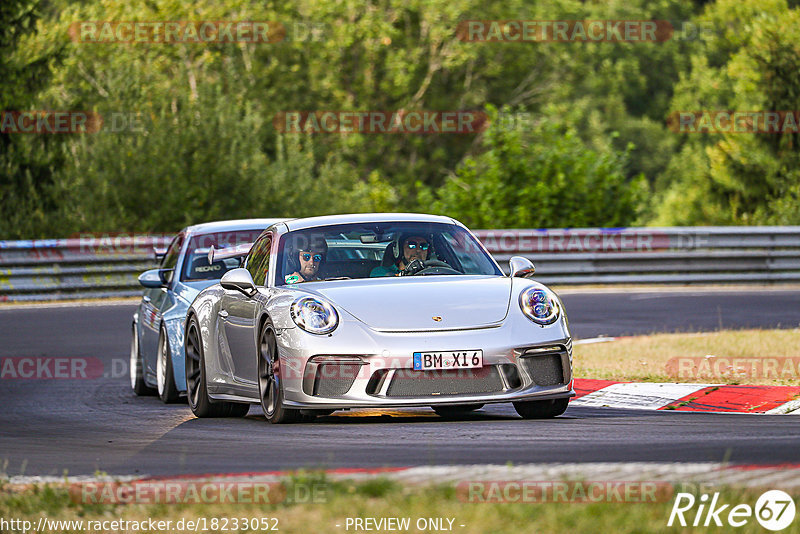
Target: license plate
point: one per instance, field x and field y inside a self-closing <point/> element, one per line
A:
<point x="464" y="359"/>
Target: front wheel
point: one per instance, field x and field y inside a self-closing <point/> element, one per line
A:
<point x="270" y="383"/>
<point x="165" y="377"/>
<point x="136" y="369"/>
<point x="197" y="392"/>
<point x="544" y="409"/>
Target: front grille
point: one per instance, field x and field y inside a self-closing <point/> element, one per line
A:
<point x="335" y="379"/>
<point x="545" y="369"/>
<point x="409" y="383"/>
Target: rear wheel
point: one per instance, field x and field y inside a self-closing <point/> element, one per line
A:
<point x="136" y="369"/>
<point x="456" y="410"/>
<point x="165" y="376"/>
<point x="270" y="384"/>
<point x="197" y="392"/>
<point x="544" y="409"/>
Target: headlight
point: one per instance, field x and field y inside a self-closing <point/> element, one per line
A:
<point x="314" y="315"/>
<point x="539" y="305"/>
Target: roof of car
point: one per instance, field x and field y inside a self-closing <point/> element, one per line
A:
<point x="229" y="226"/>
<point x="327" y="220"/>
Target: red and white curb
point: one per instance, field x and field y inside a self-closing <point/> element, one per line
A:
<point x="784" y="476"/>
<point x="717" y="398"/>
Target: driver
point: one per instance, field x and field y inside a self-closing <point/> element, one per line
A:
<point x="306" y="257"/>
<point x="415" y="249"/>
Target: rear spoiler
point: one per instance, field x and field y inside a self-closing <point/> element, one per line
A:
<point x="229" y="252"/>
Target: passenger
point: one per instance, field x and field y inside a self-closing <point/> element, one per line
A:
<point x="306" y="257"/>
<point x="414" y="247"/>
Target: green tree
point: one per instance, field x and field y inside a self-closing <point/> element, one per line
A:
<point x="751" y="62"/>
<point x="27" y="162"/>
<point x="538" y="178"/>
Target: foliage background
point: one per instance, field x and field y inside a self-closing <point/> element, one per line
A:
<point x="594" y="149"/>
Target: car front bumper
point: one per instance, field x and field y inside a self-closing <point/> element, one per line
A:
<point x="521" y="362"/>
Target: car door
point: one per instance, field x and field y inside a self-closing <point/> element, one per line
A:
<point x="238" y="315"/>
<point x="154" y="302"/>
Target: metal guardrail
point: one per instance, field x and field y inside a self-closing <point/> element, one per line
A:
<point x="108" y="266"/>
<point x="92" y="267"/>
<point x="678" y="255"/>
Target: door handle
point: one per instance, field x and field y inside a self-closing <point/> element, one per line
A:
<point x="223" y="314"/>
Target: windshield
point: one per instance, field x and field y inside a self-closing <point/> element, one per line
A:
<point x="195" y="264"/>
<point x="380" y="250"/>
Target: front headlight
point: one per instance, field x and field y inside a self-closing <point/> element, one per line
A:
<point x="539" y="305"/>
<point x="314" y="315"/>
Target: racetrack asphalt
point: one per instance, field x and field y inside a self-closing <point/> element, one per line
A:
<point x="52" y="427"/>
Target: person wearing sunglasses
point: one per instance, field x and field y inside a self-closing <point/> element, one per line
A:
<point x="309" y="261"/>
<point x="414" y="247"/>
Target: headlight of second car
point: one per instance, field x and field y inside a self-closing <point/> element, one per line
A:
<point x="539" y="305"/>
<point x="314" y="315"/>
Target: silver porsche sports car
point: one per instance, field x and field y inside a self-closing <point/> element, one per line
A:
<point x="373" y="311"/>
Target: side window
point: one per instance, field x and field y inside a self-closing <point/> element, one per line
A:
<point x="258" y="261"/>
<point x="171" y="257"/>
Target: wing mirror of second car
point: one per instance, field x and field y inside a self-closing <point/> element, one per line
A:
<point x="155" y="278"/>
<point x="240" y="280"/>
<point x="521" y="267"/>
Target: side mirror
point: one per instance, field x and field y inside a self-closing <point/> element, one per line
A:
<point x="521" y="267"/>
<point x="155" y="278"/>
<point x="240" y="280"/>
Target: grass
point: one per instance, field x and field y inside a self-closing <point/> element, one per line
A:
<point x="655" y="358"/>
<point x="376" y="498"/>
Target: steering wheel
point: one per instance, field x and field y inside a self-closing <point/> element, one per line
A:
<point x="419" y="267"/>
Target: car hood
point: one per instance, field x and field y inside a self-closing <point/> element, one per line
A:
<point x="413" y="303"/>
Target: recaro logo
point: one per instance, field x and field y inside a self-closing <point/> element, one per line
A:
<point x="774" y="510"/>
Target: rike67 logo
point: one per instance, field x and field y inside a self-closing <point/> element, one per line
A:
<point x="774" y="510"/>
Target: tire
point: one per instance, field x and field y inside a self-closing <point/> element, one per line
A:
<point x="456" y="410"/>
<point x="136" y="369"/>
<point x="270" y="386"/>
<point x="197" y="391"/>
<point x="544" y="409"/>
<point x="165" y="377"/>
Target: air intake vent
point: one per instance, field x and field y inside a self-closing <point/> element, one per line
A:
<point x="409" y="383"/>
<point x="335" y="379"/>
<point x="545" y="369"/>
